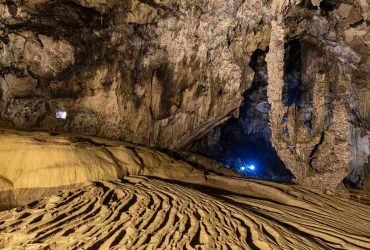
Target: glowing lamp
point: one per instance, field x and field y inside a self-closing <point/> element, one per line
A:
<point x="60" y="114"/>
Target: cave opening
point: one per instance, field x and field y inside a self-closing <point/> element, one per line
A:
<point x="244" y="143"/>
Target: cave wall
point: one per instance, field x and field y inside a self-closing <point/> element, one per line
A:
<point x="159" y="73"/>
<point x="317" y="152"/>
<point x="341" y="71"/>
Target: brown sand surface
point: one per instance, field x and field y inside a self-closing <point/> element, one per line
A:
<point x="145" y="213"/>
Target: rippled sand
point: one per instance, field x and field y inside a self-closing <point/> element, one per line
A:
<point x="146" y="213"/>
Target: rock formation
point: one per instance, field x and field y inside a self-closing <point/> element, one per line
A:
<point x="77" y="191"/>
<point x="104" y="105"/>
<point x="325" y="151"/>
<point x="318" y="112"/>
<point x="166" y="73"/>
<point x="318" y="156"/>
<point x="159" y="74"/>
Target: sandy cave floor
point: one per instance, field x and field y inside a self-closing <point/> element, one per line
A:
<point x="148" y="213"/>
<point x="104" y="194"/>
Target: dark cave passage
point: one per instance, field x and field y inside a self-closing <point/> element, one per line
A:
<point x="328" y="5"/>
<point x="292" y="91"/>
<point x="244" y="143"/>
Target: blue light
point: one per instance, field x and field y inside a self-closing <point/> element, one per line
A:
<point x="251" y="167"/>
<point x="242" y="168"/>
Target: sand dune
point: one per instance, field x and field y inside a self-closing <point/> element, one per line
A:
<point x="34" y="164"/>
<point x="143" y="213"/>
<point x="39" y="159"/>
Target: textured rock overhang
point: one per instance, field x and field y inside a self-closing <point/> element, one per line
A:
<point x="152" y="72"/>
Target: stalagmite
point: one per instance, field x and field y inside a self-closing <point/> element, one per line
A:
<point x="275" y="62"/>
<point x="332" y="157"/>
<point x="295" y="146"/>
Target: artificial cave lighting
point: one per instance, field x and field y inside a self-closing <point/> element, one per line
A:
<point x="59" y="114"/>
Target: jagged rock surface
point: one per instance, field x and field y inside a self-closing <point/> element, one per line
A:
<point x="159" y="73"/>
<point x="320" y="132"/>
<point x="324" y="148"/>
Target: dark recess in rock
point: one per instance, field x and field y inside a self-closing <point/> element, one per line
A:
<point x="292" y="91"/>
<point x="245" y="141"/>
<point x="328" y="5"/>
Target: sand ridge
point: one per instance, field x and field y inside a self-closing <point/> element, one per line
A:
<point x="37" y="164"/>
<point x="144" y="213"/>
<point x="40" y="159"/>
